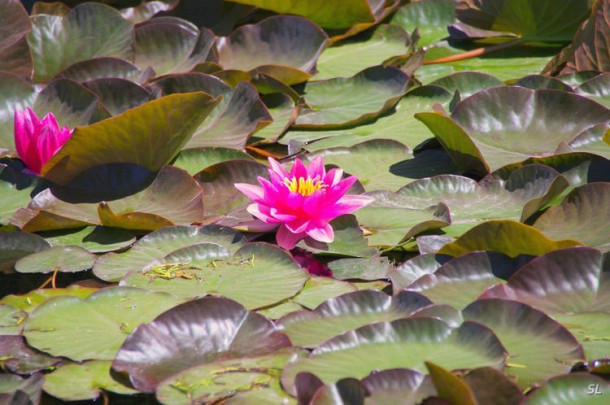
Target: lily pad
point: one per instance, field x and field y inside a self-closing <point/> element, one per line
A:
<point x="412" y="269"/>
<point x="78" y="382"/>
<point x="375" y="347"/>
<point x="538" y="346"/>
<point x="16" y="189"/>
<point x="570" y="285"/>
<point x="19" y="358"/>
<point x="96" y="239"/>
<point x="283" y="47"/>
<point x="227" y="379"/>
<point x="161" y="243"/>
<point x="256" y="276"/>
<point x="93" y="328"/>
<point x="88" y="30"/>
<point x="15" y="245"/>
<point x="348" y="57"/>
<point x="118" y="95"/>
<point x="505" y="236"/>
<point x="370" y="268"/>
<point x="391" y="222"/>
<point x="195" y="333"/>
<point x="149" y="135"/>
<point x="30" y="301"/>
<point x="319" y="289"/>
<point x="15" y="23"/>
<point x="68" y="259"/>
<point x="541" y="21"/>
<point x="578" y="388"/>
<point x="457" y="282"/>
<point x="349" y="240"/>
<point x="195" y="160"/>
<point x="17" y="93"/>
<point x="430" y="17"/>
<point x="11" y="320"/>
<point x="582" y="215"/>
<point x="171" y="45"/>
<point x="467" y="83"/>
<point x="335" y="14"/>
<point x="104" y="68"/>
<point x="481" y="127"/>
<point x="18" y="390"/>
<point x="340" y="102"/>
<point x="348" y="312"/>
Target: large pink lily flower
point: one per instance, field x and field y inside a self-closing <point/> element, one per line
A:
<point x="302" y="202"/>
<point x="37" y="140"/>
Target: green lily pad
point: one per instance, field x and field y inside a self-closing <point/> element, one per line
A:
<point x="542" y="20"/>
<point x="349" y="240"/>
<point x="96" y="239"/>
<point x="68" y="259"/>
<point x="283" y="111"/>
<point x="390" y="221"/>
<point x="370" y="268"/>
<point x="149" y="135"/>
<point x="348" y="312"/>
<point x="11" y="320"/>
<point x="582" y="215"/>
<point x="481" y="127"/>
<point x="397" y="124"/>
<point x="195" y="160"/>
<point x="505" y="236"/>
<point x="161" y="243"/>
<point x="227" y="379"/>
<point x="28" y="302"/>
<point x="17" y="93"/>
<point x="348" y="57"/>
<point x="18" y="390"/>
<point x="195" y="333"/>
<point x="569" y="285"/>
<point x="15" y="245"/>
<point x="335" y="14"/>
<point x="118" y="95"/>
<point x="597" y="88"/>
<point x="592" y="141"/>
<point x="319" y="289"/>
<point x="88" y="30"/>
<point x="430" y="17"/>
<point x="218" y="182"/>
<point x="14" y="54"/>
<point x="173" y="198"/>
<point x="467" y="83"/>
<point x="457" y="282"/>
<point x="375" y="347"/>
<point x="538" y="346"/>
<point x="171" y="45"/>
<point x="104" y="68"/>
<point x="340" y="102"/>
<point x="470" y="203"/>
<point x="537" y="82"/>
<point x="578" y="388"/>
<point x="79" y="382"/>
<point x="257" y="275"/>
<point x="93" y="328"/>
<point x="16" y="189"/>
<point x="283" y="47"/>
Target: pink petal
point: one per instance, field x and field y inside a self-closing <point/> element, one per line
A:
<point x="257" y="211"/>
<point x="298" y="169"/>
<point x="334" y="193"/>
<point x="298" y="225"/>
<point x="321" y="231"/>
<point x="346" y="205"/>
<point x="287" y="239"/>
<point x="294" y="201"/>
<point x="274" y="212"/>
<point x="316" y="168"/>
<point x="23" y="131"/>
<point x="314" y="203"/>
<point x="333" y="177"/>
<point x="255" y="193"/>
<point x="276" y="168"/>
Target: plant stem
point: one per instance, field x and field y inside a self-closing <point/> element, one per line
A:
<point x="474" y="53"/>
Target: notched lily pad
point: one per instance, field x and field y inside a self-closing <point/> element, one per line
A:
<point x="93" y="328"/>
<point x="195" y="333"/>
<point x="348" y="312"/>
<point x="340" y="102"/>
<point x="69" y="259"/>
<point x="15" y="245"/>
<point x="283" y="47"/>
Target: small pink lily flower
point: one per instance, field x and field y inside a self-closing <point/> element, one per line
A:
<point x="302" y="202"/>
<point x="37" y="140"/>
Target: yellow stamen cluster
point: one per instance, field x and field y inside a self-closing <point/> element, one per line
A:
<point x="303" y="186"/>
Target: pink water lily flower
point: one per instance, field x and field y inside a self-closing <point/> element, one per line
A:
<point x="302" y="202"/>
<point x="37" y="140"/>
